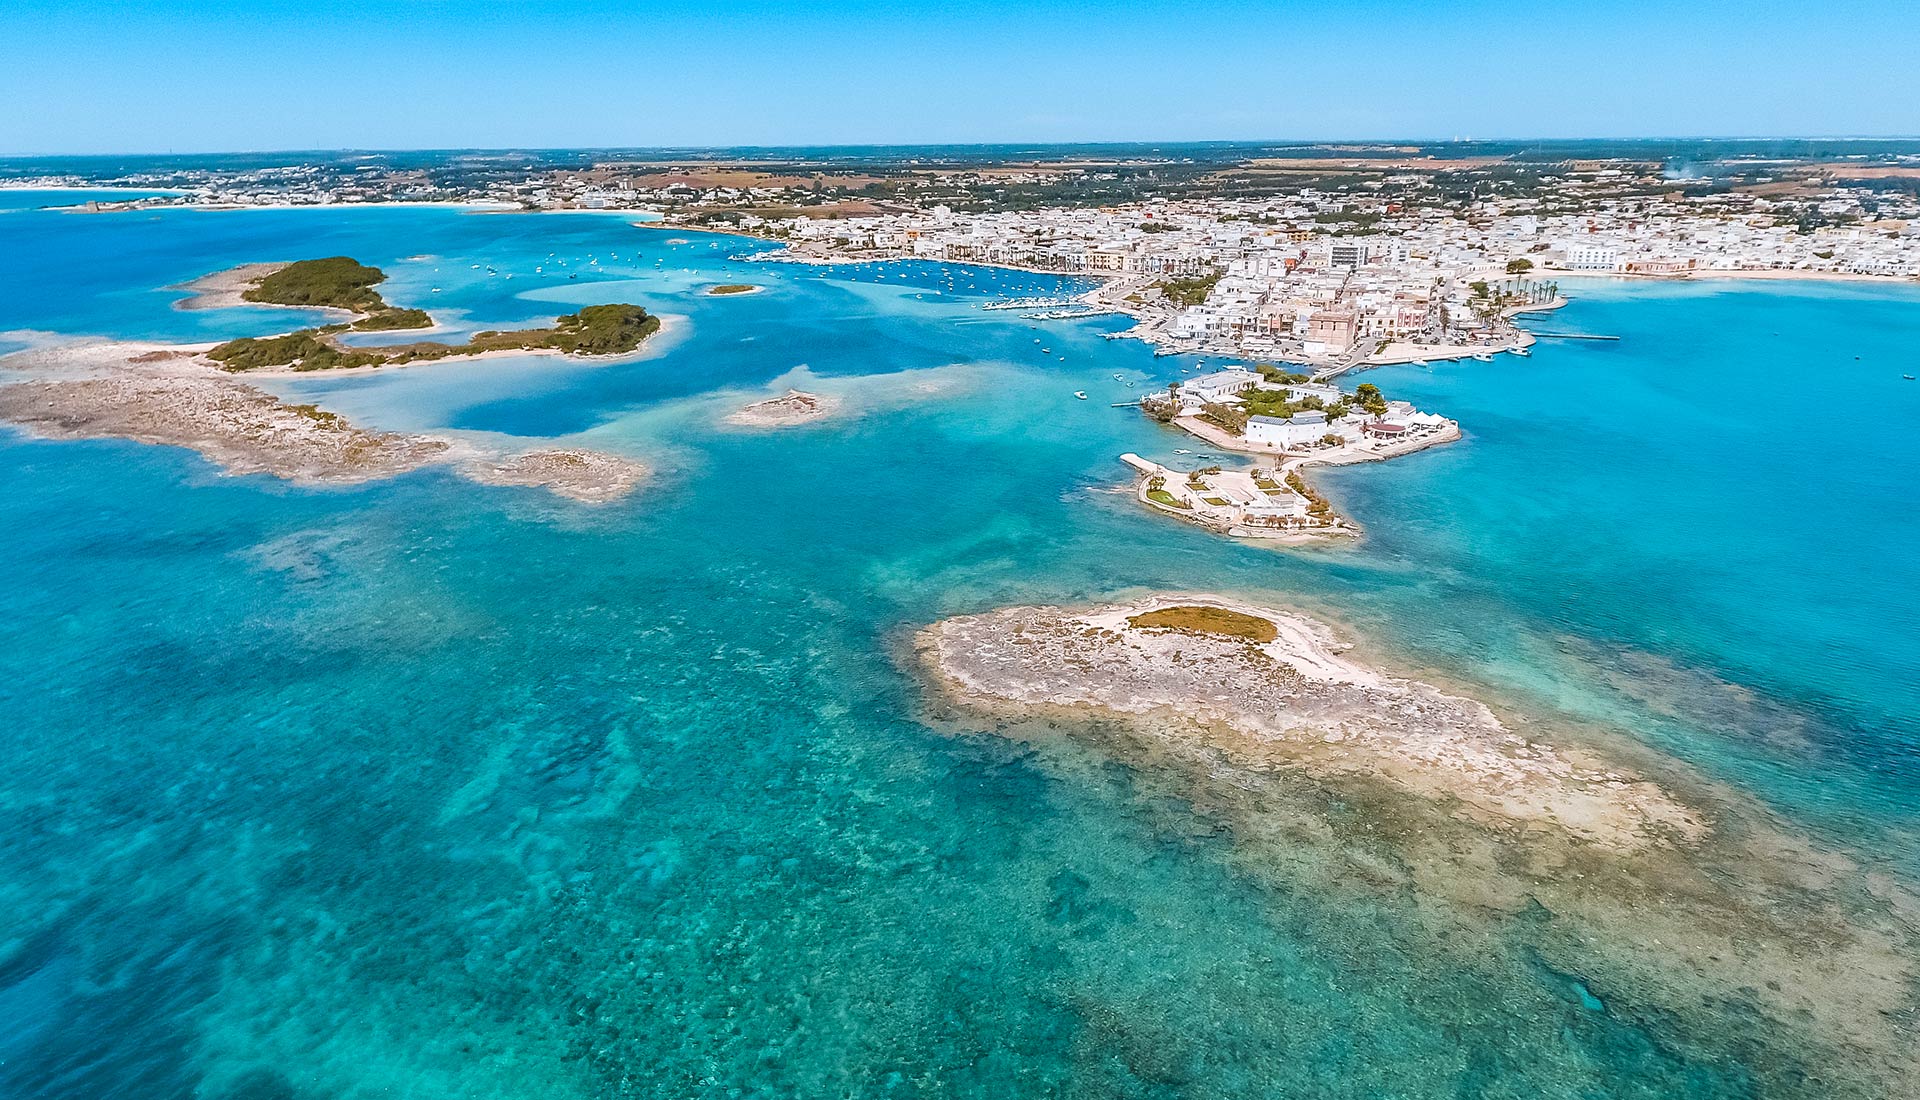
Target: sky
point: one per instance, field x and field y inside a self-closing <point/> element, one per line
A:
<point x="137" y="76"/>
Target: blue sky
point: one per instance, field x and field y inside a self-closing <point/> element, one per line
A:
<point x="145" y="76"/>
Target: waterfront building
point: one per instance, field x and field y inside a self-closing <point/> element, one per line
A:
<point x="1218" y="386"/>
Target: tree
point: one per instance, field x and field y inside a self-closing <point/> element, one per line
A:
<point x="1519" y="267"/>
<point x="1232" y="419"/>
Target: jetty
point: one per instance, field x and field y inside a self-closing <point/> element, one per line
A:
<point x="1032" y="303"/>
<point x="1571" y="336"/>
<point x="1066" y="313"/>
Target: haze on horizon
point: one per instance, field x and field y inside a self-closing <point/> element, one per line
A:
<point x="277" y="74"/>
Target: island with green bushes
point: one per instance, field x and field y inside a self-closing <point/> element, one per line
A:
<point x="340" y="282"/>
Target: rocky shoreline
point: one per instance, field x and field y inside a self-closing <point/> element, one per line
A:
<point x="1675" y="898"/>
<point x="172" y="395"/>
<point x="790" y="408"/>
<point x="1295" y="701"/>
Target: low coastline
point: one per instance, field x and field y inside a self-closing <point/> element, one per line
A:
<point x="1673" y="895"/>
<point x="1273" y="504"/>
<point x="789" y="409"/>
<point x="226" y="290"/>
<point x="170" y="394"/>
<point x="1296" y="701"/>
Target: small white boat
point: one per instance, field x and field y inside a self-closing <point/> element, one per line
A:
<point x="1081" y="394"/>
<point x="1182" y="451"/>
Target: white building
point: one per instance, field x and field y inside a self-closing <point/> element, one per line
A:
<point x="1210" y="388"/>
<point x="1592" y="257"/>
<point x="1296" y="430"/>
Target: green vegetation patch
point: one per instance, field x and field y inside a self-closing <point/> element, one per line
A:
<point x="733" y="288"/>
<point x="595" y="330"/>
<point x="1209" y="620"/>
<point x="337" y="281"/>
<point x="303" y="350"/>
<point x="390" y="319"/>
<point x="603" y="330"/>
<point x="1189" y="292"/>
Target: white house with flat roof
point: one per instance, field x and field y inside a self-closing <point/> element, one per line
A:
<point x="1297" y="430"/>
<point x="1592" y="257"/>
<point x="1213" y="387"/>
<point x="1300" y="391"/>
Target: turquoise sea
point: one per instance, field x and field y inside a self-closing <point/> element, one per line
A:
<point x="430" y="789"/>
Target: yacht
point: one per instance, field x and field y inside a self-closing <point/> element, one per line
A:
<point x="1081" y="394"/>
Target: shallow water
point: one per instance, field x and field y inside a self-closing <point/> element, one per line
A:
<point x="426" y="788"/>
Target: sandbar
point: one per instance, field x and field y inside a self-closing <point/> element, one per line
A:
<point x="790" y="408"/>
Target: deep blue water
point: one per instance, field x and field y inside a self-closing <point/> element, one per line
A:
<point x="427" y="788"/>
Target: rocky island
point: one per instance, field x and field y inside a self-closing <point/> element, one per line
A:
<point x="1268" y="689"/>
<point x="190" y="395"/>
<point x="1333" y="777"/>
<point x="790" y="408"/>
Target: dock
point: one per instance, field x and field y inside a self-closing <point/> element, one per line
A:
<point x="1031" y="303"/>
<point x="1570" y="336"/>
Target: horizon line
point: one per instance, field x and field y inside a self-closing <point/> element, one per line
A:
<point x="880" y="145"/>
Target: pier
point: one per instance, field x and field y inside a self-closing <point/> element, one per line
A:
<point x="1570" y="336"/>
<point x="1032" y="303"/>
<point x="1067" y="314"/>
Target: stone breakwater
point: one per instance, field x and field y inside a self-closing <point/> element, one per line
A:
<point x="171" y="395"/>
<point x="1296" y="701"/>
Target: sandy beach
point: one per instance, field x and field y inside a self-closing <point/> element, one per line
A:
<point x="223" y="290"/>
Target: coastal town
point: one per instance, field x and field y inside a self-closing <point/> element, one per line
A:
<point x="1336" y="258"/>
